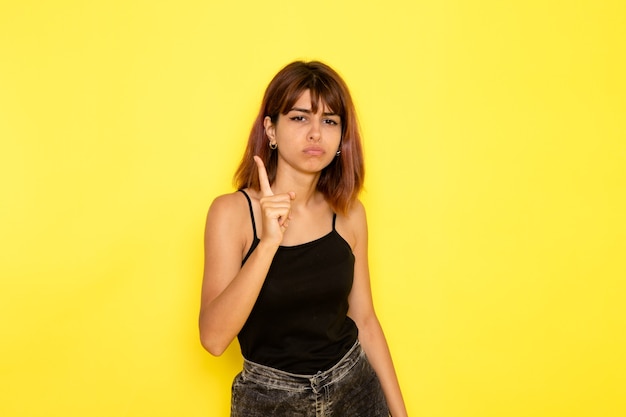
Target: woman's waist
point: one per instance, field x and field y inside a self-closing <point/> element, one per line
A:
<point x="299" y="351"/>
<point x="294" y="381"/>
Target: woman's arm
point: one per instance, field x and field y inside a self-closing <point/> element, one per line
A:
<point x="229" y="291"/>
<point x="371" y="335"/>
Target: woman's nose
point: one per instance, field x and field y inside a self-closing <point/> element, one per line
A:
<point x="314" y="132"/>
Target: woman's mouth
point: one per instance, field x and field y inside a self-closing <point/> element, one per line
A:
<point x="314" y="150"/>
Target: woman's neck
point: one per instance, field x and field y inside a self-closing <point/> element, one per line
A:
<point x="304" y="185"/>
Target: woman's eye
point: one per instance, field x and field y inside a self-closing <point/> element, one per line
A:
<point x="331" y="122"/>
<point x="297" y="118"/>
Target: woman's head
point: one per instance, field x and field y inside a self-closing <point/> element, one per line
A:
<point x="342" y="179"/>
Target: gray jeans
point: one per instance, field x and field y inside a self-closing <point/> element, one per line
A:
<point x="350" y="388"/>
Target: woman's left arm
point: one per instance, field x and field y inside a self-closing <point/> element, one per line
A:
<point x="362" y="311"/>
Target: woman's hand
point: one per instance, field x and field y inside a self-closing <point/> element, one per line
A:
<point x="275" y="208"/>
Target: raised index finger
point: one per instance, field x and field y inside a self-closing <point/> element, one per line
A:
<point x="264" y="182"/>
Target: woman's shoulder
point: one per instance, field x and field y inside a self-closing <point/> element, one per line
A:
<point x="236" y="197"/>
<point x="227" y="200"/>
<point x="353" y="224"/>
<point x="355" y="213"/>
<point x="228" y="206"/>
<point x="229" y="218"/>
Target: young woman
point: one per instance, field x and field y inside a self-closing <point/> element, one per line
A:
<point x="286" y="268"/>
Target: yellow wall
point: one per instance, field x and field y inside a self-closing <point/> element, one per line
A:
<point x="495" y="140"/>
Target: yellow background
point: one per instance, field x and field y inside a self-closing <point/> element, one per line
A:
<point x="495" y="141"/>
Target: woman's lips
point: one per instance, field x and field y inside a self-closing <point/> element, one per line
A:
<point x="314" y="151"/>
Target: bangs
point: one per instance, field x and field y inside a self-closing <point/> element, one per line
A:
<point x="323" y="93"/>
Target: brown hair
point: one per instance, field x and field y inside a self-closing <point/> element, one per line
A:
<point x="341" y="181"/>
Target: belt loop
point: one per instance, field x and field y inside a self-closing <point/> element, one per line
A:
<point x="315" y="381"/>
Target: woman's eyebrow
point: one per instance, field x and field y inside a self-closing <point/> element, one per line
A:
<point x="301" y="110"/>
<point x="309" y="111"/>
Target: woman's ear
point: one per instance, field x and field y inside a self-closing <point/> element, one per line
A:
<point x="270" y="128"/>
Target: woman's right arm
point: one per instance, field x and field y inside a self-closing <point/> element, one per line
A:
<point x="229" y="291"/>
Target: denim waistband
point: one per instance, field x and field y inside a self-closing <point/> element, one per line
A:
<point x="275" y="378"/>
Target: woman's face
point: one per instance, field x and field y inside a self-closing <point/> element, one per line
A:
<point x="306" y="141"/>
